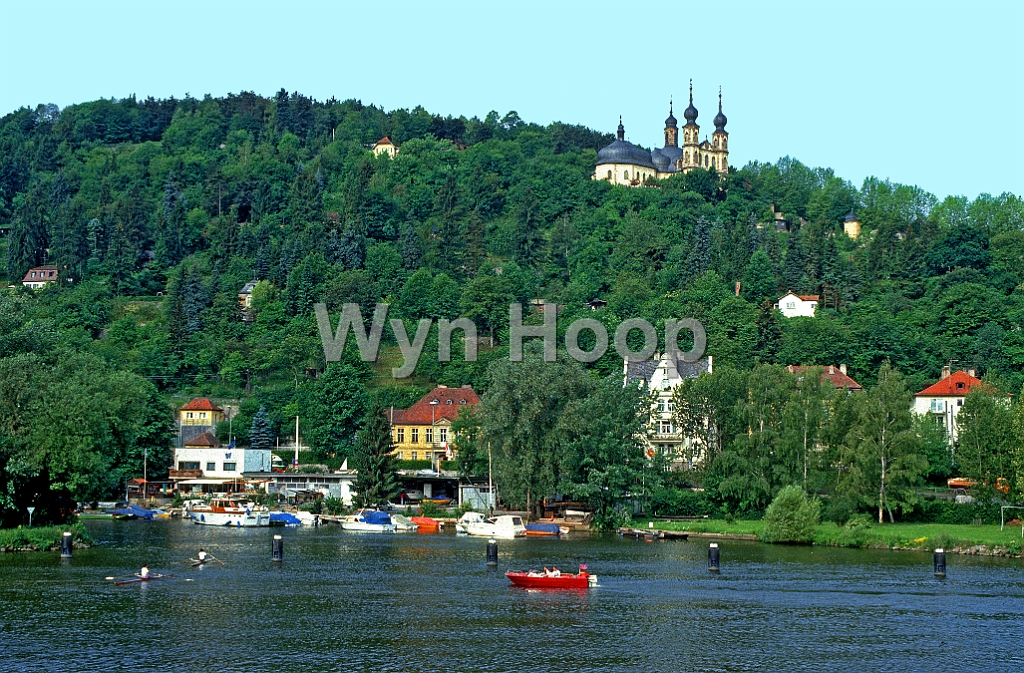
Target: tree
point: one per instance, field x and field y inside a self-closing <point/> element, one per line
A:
<point x="882" y="448"/>
<point x="336" y="404"/>
<point x="983" y="450"/>
<point x="603" y="446"/>
<point x="261" y="434"/>
<point x="705" y="411"/>
<point x="521" y="410"/>
<point x="791" y="517"/>
<point x="377" y="479"/>
<point x="804" y="420"/>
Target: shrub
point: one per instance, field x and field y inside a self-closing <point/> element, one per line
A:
<point x="681" y="502"/>
<point x="428" y="508"/>
<point x="791" y="517"/>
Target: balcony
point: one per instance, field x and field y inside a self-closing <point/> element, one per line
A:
<point x="184" y="474"/>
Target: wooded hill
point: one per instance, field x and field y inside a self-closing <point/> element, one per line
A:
<point x="157" y="212"/>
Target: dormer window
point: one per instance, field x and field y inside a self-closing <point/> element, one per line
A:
<point x="462" y="401"/>
<point x="959" y="386"/>
<point x="448" y="402"/>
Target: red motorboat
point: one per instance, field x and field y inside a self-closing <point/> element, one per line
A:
<point x="538" y="580"/>
<point x="425" y="524"/>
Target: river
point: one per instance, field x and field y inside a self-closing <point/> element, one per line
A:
<point x="364" y="602"/>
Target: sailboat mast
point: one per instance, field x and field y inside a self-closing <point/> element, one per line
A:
<point x="296" y="441"/>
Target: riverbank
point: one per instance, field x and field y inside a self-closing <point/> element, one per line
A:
<point x="957" y="539"/>
<point x="41" y="538"/>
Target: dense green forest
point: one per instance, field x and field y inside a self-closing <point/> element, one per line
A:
<point x="157" y="212"/>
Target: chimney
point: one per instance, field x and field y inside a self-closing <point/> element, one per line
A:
<point x="440" y="386"/>
<point x="945" y="372"/>
<point x="831" y="370"/>
<point x="972" y="374"/>
<point x="842" y="368"/>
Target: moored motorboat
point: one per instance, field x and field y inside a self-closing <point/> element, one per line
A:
<point x="504" y="526"/>
<point x="235" y="514"/>
<point x="404" y="524"/>
<point x="546" y="530"/>
<point x="369" y="521"/>
<point x="540" y="580"/>
<point x="466" y="519"/>
<point x="426" y="524"/>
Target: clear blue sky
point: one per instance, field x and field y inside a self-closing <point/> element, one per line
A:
<point x="925" y="93"/>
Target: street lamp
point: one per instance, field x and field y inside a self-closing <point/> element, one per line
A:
<point x="30" y="510"/>
<point x="433" y="403"/>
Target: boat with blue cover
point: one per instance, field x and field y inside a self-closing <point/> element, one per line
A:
<point x="369" y="521"/>
<point x="546" y="530"/>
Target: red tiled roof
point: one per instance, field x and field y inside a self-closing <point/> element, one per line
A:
<point x="833" y="374"/>
<point x="956" y="384"/>
<point x="205" y="440"/>
<point x="201" y="404"/>
<point x="808" y="297"/>
<point x="47" y="272"/>
<point x="449" y="402"/>
<point x="383" y="140"/>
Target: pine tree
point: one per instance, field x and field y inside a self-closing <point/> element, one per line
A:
<point x="793" y="266"/>
<point x="377" y="480"/>
<point x="261" y="436"/>
<point x="699" y="260"/>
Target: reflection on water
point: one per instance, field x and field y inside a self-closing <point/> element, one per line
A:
<point x="343" y="602"/>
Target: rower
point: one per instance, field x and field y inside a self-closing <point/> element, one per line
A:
<point x="144" y="574"/>
<point x="202" y="555"/>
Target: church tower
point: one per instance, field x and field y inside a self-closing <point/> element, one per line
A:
<point x="720" y="139"/>
<point x="671" y="130"/>
<point x="691" y="143"/>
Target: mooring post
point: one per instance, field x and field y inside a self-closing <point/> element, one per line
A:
<point x="713" y="558"/>
<point x="277" y="550"/>
<point x="939" y="560"/>
<point x="65" y="545"/>
<point x="492" y="552"/>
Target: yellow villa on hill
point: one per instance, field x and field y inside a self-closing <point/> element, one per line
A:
<point x="200" y="411"/>
<point x="424" y="430"/>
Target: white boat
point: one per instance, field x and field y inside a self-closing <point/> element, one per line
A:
<point x="404" y="524"/>
<point x="369" y="521"/>
<point x="233" y="513"/>
<point x="307" y="518"/>
<point x="466" y="519"/>
<point x="505" y="526"/>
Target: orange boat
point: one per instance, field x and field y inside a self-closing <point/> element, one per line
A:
<point x="425" y="524"/>
<point x="960" y="482"/>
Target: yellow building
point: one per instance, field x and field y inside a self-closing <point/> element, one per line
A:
<point x="385" y="146"/>
<point x="623" y="163"/>
<point x="424" y="430"/>
<point x="200" y="411"/>
<point x="851" y="226"/>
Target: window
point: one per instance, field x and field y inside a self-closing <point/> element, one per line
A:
<point x="671" y="405"/>
<point x="442" y="435"/>
<point x="415" y="455"/>
<point x="938" y="406"/>
<point x="662" y="404"/>
<point x="400" y="436"/>
<point x="414" y="435"/>
<point x="462" y="401"/>
<point x="188" y="464"/>
<point x="230" y="467"/>
<point x="447" y="401"/>
<point x="959" y="385"/>
<point x="428" y="435"/>
<point x="665" y="427"/>
<point x="790" y="304"/>
<point x="609" y="175"/>
<point x="211" y="467"/>
<point x="188" y="415"/>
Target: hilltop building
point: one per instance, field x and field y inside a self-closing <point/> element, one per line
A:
<point x="851" y="226"/>
<point x="623" y="163"/>
<point x="794" y="305"/>
<point x="837" y="375"/>
<point x="385" y="146"/>
<point x="40" y="276"/>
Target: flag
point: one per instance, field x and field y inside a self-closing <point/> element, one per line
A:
<point x="232" y="444"/>
<point x="583" y="566"/>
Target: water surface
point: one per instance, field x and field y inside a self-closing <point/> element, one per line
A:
<point x="363" y="602"/>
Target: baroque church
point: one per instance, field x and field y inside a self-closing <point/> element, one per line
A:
<point x="623" y="163"/>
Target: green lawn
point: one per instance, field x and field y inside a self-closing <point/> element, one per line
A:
<point x="40" y="537"/>
<point x="890" y="535"/>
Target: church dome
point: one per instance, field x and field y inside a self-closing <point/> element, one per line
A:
<point x="665" y="158"/>
<point x="690" y="113"/>
<point x="671" y="121"/>
<point x="624" y="152"/>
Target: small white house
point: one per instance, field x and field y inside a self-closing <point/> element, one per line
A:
<point x="222" y="462"/>
<point x="942" y="400"/>
<point x="797" y="305"/>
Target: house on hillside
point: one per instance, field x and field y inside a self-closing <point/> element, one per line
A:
<point x="385" y="146"/>
<point x="851" y="226"/>
<point x="196" y="417"/>
<point x="245" y="299"/>
<point x="40" y="276"/>
<point x="424" y="430"/>
<point x="942" y="400"/>
<point x="661" y="376"/>
<point x="793" y="305"/>
<point x="837" y="375"/>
